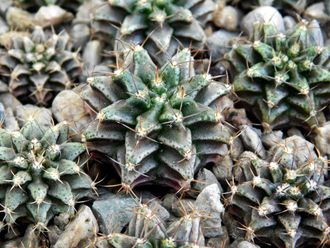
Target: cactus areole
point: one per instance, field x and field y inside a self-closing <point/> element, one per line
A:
<point x="157" y="123"/>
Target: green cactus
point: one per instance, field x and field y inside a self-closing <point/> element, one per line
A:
<point x="41" y="173"/>
<point x="283" y="202"/>
<point x="162" y="121"/>
<point x="39" y="66"/>
<point x="284" y="77"/>
<point x="163" y="25"/>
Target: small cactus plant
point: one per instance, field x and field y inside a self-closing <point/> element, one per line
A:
<point x="163" y="25"/>
<point x="157" y="122"/>
<point x="39" y="66"/>
<point x="285" y="206"/>
<point x="41" y="173"/>
<point x="284" y="77"/>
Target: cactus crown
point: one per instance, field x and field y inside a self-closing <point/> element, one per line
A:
<point x="41" y="174"/>
<point x="162" y="22"/>
<point x="285" y="76"/>
<point x="282" y="205"/>
<point x="151" y="110"/>
<point x="39" y="66"/>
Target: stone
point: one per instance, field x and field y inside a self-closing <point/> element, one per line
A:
<point x="205" y="178"/>
<point x="30" y="239"/>
<point x="19" y="19"/>
<point x="252" y="141"/>
<point x="68" y="106"/>
<point x="83" y="227"/>
<point x="210" y="212"/>
<point x="114" y="212"/>
<point x="227" y="17"/>
<point x="264" y="14"/>
<point x="219" y="43"/>
<point x="52" y="15"/>
<point x="317" y="11"/>
<point x="322" y="138"/>
<point x="92" y="56"/>
<point x="28" y="112"/>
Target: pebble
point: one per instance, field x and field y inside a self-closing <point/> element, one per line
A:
<point x="264" y="14"/>
<point x="28" y="112"/>
<point x="322" y="138"/>
<point x="211" y="224"/>
<point x="317" y="11"/>
<point x="219" y="43"/>
<point x="114" y="212"/>
<point x="82" y="227"/>
<point x="252" y="141"/>
<point x="52" y="15"/>
<point x="68" y="106"/>
<point x="227" y="17"/>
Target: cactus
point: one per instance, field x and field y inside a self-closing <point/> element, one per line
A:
<point x="284" y="77"/>
<point x="41" y="173"/>
<point x="282" y="202"/>
<point x="298" y="6"/>
<point x="163" y="121"/>
<point x="39" y="66"/>
<point x="148" y="229"/>
<point x="163" y="25"/>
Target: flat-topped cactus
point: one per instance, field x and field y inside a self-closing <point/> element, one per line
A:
<point x="39" y="66"/>
<point x="282" y="206"/>
<point x="41" y="173"/>
<point x="164" y="25"/>
<point x="162" y="120"/>
<point x="284" y="77"/>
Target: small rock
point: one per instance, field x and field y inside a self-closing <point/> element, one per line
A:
<point x="227" y="17"/>
<point x="19" y="19"/>
<point x="315" y="32"/>
<point x="322" y="138"/>
<point x="264" y="14"/>
<point x="270" y="139"/>
<point x="221" y="241"/>
<point x="205" y="178"/>
<point x="243" y="244"/>
<point x="317" y="11"/>
<point x="223" y="169"/>
<point x="3" y="26"/>
<point x="83" y="227"/>
<point x="9" y="101"/>
<point x="10" y="122"/>
<point x="219" y="43"/>
<point x="68" y="106"/>
<point x="6" y="39"/>
<point x="289" y="22"/>
<point x="92" y="56"/>
<point x="114" y="212"/>
<point x="52" y="15"/>
<point x="211" y="223"/>
<point x="25" y="113"/>
<point x="252" y="141"/>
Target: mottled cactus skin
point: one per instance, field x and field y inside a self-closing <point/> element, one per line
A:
<point x="165" y="25"/>
<point x="148" y="230"/>
<point x="157" y="122"/>
<point x="40" y="173"/>
<point x="280" y="205"/>
<point x="36" y="68"/>
<point x="284" y="77"/>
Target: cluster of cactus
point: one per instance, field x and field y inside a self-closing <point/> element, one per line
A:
<point x="282" y="201"/>
<point x="156" y="122"/>
<point x="41" y="173"/>
<point x="284" y="77"/>
<point x="37" y="67"/>
<point x="163" y="25"/>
